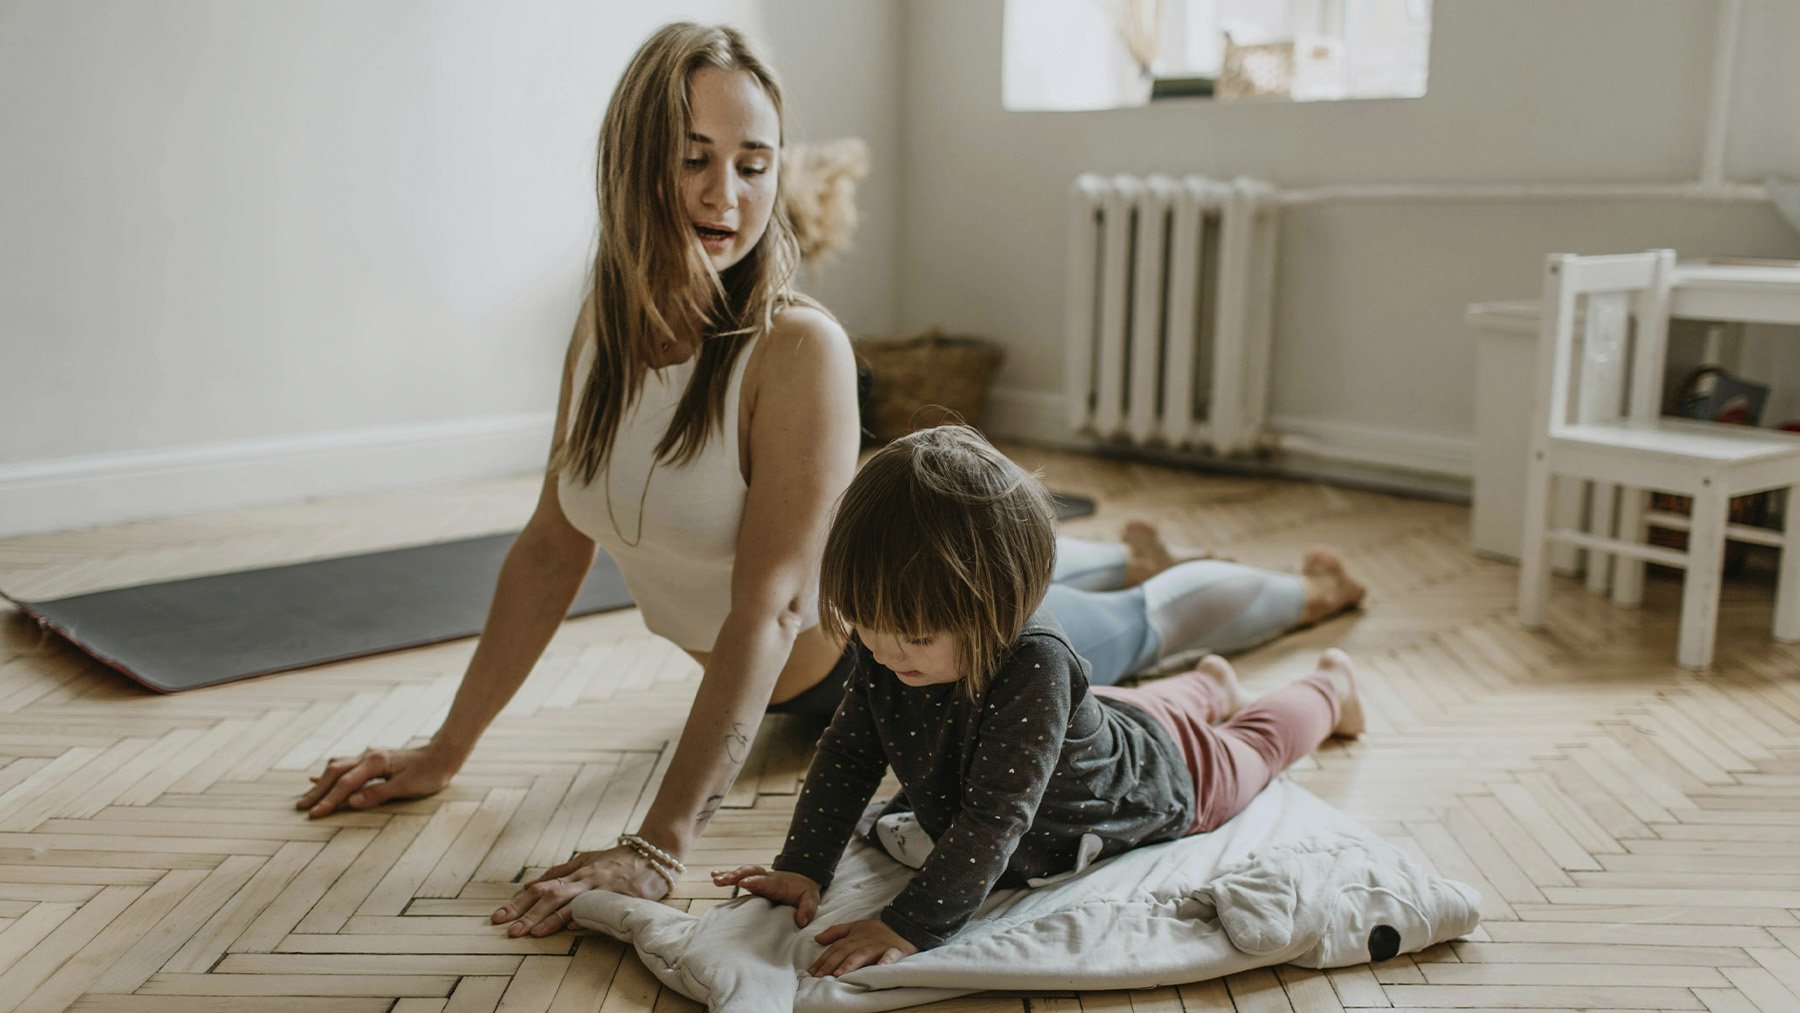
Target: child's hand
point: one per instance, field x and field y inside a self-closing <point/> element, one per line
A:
<point x="855" y="945"/>
<point x="781" y="887"/>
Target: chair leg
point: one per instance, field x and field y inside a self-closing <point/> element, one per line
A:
<point x="1568" y="506"/>
<point x="1787" y="587"/>
<point x="1700" y="588"/>
<point x="1600" y="524"/>
<point x="1534" y="559"/>
<point x="1628" y="571"/>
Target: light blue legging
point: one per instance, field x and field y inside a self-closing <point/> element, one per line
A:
<point x="1204" y="604"/>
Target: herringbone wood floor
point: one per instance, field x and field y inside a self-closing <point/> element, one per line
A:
<point x="1632" y="827"/>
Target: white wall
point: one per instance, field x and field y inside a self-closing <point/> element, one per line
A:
<point x="1369" y="343"/>
<point x="253" y="251"/>
<point x="1765" y="130"/>
<point x="840" y="65"/>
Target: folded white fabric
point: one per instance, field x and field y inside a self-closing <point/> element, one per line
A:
<point x="1290" y="879"/>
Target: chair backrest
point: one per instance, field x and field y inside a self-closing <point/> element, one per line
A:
<point x="1586" y="380"/>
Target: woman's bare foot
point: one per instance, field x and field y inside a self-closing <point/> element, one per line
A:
<point x="1329" y="589"/>
<point x="1220" y="671"/>
<point x="1335" y="666"/>
<point x="1146" y="554"/>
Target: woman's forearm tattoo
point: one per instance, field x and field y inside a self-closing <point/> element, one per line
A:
<point x="708" y="810"/>
<point x="737" y="746"/>
<point x="737" y="743"/>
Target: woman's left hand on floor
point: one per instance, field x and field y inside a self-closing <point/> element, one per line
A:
<point x="855" y="945"/>
<point x="542" y="907"/>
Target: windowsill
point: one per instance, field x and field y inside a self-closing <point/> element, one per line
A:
<point x="1163" y="89"/>
<point x="1173" y="89"/>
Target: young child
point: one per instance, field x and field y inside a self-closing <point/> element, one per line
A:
<point x="936" y="567"/>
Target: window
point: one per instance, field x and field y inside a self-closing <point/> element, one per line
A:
<point x="1101" y="54"/>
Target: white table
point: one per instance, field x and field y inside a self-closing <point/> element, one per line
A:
<point x="1506" y="364"/>
<point x="1753" y="295"/>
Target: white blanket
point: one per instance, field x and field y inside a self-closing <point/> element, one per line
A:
<point x="1289" y="880"/>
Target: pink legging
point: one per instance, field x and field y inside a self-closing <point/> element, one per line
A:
<point x="1233" y="761"/>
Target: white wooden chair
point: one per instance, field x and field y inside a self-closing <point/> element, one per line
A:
<point x="1598" y="421"/>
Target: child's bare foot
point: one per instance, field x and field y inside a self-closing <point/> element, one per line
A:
<point x="1220" y="671"/>
<point x="1329" y="589"/>
<point x="1146" y="554"/>
<point x="1335" y="666"/>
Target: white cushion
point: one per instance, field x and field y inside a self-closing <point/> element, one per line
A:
<point x="1290" y="879"/>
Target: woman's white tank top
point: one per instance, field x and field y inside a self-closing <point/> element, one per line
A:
<point x="677" y="552"/>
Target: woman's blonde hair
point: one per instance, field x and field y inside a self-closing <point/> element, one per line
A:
<point x="651" y="283"/>
<point x="940" y="534"/>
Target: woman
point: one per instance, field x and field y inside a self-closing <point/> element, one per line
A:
<point x="692" y="353"/>
<point x="707" y="422"/>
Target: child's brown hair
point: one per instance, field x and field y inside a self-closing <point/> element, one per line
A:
<point x="940" y="534"/>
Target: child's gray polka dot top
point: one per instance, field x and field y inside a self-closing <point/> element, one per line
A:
<point x="1006" y="784"/>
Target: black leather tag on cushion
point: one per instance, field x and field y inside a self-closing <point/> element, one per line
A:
<point x="1384" y="943"/>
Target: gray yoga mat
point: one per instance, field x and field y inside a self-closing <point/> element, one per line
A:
<point x="184" y="634"/>
<point x="1069" y="506"/>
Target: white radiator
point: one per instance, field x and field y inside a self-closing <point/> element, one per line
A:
<point x="1170" y="306"/>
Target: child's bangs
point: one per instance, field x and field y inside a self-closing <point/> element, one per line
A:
<point x="912" y="596"/>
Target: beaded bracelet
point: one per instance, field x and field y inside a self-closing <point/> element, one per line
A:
<point x="649" y="853"/>
<point x="663" y="871"/>
<point x="638" y="844"/>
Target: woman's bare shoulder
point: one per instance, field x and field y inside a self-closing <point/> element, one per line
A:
<point x="804" y="336"/>
<point x="807" y="323"/>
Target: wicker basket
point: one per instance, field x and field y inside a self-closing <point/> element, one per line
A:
<point x="926" y="380"/>
<point x="1261" y="70"/>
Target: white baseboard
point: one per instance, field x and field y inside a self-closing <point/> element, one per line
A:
<point x="77" y="492"/>
<point x="80" y="492"/>
<point x="1039" y="417"/>
<point x="1307" y="447"/>
<point x="1389" y="449"/>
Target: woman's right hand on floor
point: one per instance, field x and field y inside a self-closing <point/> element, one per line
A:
<point x="378" y="775"/>
<point x="781" y="887"/>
